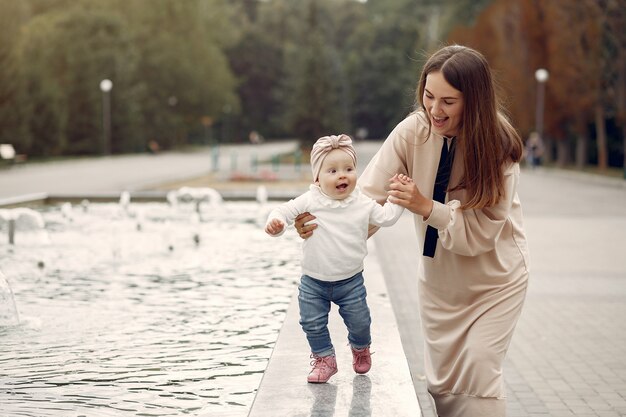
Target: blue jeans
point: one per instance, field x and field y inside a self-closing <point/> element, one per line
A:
<point x="350" y="295"/>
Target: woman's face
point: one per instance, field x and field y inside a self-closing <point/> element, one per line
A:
<point x="444" y="105"/>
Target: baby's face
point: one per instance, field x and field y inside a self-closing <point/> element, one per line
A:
<point x="337" y="177"/>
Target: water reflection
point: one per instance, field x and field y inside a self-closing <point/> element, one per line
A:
<point x="120" y="321"/>
<point x="325" y="398"/>
<point x="361" y="394"/>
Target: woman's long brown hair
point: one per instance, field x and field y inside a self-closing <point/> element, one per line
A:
<point x="486" y="140"/>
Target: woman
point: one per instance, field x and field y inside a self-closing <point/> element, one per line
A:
<point x="474" y="271"/>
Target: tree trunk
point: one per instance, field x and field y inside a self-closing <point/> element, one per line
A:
<point x="562" y="153"/>
<point x="547" y="157"/>
<point x="581" y="151"/>
<point x="601" y="138"/>
<point x="621" y="99"/>
<point x="624" y="147"/>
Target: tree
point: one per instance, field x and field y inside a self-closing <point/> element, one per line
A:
<point x="615" y="64"/>
<point x="184" y="71"/>
<point x="45" y="111"/>
<point x="314" y="92"/>
<point x="13" y="14"/>
<point x="257" y="62"/>
<point x="383" y="58"/>
<point x="519" y="37"/>
<point x="65" y="56"/>
<point x="166" y="60"/>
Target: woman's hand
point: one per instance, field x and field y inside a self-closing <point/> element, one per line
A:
<point x="405" y="193"/>
<point x="305" y="232"/>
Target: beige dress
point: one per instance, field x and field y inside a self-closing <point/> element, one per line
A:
<point x="471" y="293"/>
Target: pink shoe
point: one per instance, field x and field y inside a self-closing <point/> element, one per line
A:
<point x="323" y="368"/>
<point x="361" y="360"/>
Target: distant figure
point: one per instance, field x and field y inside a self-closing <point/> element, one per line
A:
<point x="361" y="133"/>
<point x="534" y="150"/>
<point x="332" y="263"/>
<point x="153" y="147"/>
<point x="255" y="137"/>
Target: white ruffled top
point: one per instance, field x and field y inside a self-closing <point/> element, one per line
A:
<point x="338" y="246"/>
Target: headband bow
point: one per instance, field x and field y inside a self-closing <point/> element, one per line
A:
<point x="326" y="144"/>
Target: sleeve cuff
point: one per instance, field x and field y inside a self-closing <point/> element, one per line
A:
<point x="440" y="216"/>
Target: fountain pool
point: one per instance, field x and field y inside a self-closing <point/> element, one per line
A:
<point x="143" y="310"/>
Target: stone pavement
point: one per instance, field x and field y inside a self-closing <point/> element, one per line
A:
<point x="568" y="355"/>
<point x="114" y="174"/>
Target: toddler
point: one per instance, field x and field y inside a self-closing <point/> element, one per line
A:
<point x="332" y="262"/>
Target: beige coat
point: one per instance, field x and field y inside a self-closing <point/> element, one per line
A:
<point x="472" y="291"/>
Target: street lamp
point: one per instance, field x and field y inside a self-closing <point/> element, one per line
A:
<point x="106" y="86"/>
<point x="541" y="75"/>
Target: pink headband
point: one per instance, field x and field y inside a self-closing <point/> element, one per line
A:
<point x="326" y="144"/>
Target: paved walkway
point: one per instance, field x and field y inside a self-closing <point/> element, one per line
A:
<point x="568" y="356"/>
<point x="114" y="174"/>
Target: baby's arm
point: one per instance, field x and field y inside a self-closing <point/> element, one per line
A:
<point x="285" y="214"/>
<point x="389" y="213"/>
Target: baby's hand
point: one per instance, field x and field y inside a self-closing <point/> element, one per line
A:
<point x="274" y="227"/>
<point x="402" y="179"/>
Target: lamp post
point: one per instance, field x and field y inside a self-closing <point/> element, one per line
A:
<point x="541" y="75"/>
<point x="105" y="86"/>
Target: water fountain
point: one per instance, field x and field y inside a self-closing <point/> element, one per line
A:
<point x="198" y="195"/>
<point x="67" y="211"/>
<point x="20" y="219"/>
<point x="127" y="325"/>
<point x="124" y="200"/>
<point x="8" y="309"/>
<point x="261" y="194"/>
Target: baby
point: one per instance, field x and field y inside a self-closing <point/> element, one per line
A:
<point x="332" y="262"/>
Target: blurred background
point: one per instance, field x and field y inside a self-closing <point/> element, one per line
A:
<point x="100" y="77"/>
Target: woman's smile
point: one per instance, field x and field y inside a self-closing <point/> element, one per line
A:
<point x="443" y="103"/>
<point x="438" y="122"/>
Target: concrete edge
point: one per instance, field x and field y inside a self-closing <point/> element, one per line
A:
<point x="386" y="390"/>
<point x="25" y="199"/>
<point x="141" y="196"/>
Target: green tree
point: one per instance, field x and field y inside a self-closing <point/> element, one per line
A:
<point x="184" y="71"/>
<point x="348" y="64"/>
<point x="65" y="56"/>
<point x="257" y="61"/>
<point x="45" y="111"/>
<point x="315" y="89"/>
<point x="13" y="14"/>
<point x="384" y="57"/>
